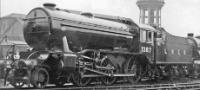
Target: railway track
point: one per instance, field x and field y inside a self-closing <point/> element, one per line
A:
<point x="171" y="86"/>
<point x="178" y="86"/>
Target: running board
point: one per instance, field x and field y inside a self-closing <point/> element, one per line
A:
<point x="101" y="74"/>
<point x="123" y="75"/>
<point x="114" y="75"/>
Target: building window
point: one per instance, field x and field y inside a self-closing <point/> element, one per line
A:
<point x="179" y="52"/>
<point x="155" y="13"/>
<point x="146" y="13"/>
<point x="184" y="52"/>
<point x="146" y="20"/>
<point x="155" y="21"/>
<point x="165" y="51"/>
<point x="172" y="51"/>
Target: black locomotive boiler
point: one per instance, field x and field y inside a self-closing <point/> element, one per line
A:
<point x="81" y="48"/>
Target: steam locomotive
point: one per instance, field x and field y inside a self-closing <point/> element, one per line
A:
<point x="82" y="47"/>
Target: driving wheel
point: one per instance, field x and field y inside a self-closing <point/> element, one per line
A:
<point x="132" y="68"/>
<point x="108" y="80"/>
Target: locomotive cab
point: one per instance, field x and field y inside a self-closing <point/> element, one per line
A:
<point x="147" y="35"/>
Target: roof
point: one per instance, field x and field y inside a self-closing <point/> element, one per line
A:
<point x="11" y="33"/>
<point x="11" y="28"/>
<point x="15" y="15"/>
<point x="147" y="27"/>
<point x="198" y="37"/>
<point x="13" y="43"/>
<point x="197" y="41"/>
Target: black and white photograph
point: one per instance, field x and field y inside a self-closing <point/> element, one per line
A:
<point x="100" y="44"/>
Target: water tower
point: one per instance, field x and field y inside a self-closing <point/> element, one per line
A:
<point x="150" y="11"/>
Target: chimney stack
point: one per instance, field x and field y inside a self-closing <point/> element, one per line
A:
<point x="49" y="5"/>
<point x="190" y="35"/>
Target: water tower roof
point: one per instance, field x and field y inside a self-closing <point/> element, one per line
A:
<point x="150" y="3"/>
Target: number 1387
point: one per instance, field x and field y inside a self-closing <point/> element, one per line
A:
<point x="146" y="49"/>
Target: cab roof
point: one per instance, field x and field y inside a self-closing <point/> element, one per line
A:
<point x="197" y="41"/>
<point x="147" y="27"/>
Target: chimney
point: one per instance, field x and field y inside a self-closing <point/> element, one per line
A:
<point x="87" y="14"/>
<point x="190" y="35"/>
<point x="49" y="6"/>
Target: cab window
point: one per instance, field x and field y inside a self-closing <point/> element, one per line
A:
<point x="146" y="36"/>
<point x="149" y="36"/>
<point x="142" y="35"/>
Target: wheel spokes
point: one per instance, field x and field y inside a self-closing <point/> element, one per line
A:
<point x="131" y="68"/>
<point x="108" y="80"/>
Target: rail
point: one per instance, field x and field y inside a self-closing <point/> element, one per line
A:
<point x="178" y="86"/>
<point x="171" y="86"/>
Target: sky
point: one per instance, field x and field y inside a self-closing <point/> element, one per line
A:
<point x="178" y="17"/>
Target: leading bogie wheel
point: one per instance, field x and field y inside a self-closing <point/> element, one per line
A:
<point x="39" y="77"/>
